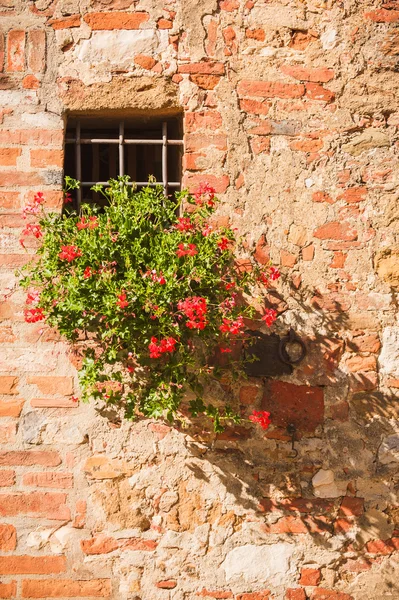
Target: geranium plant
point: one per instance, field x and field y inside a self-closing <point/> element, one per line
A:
<point x="148" y="291"/>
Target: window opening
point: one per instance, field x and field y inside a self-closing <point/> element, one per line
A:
<point x="97" y="150"/>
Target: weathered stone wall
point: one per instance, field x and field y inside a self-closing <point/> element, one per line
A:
<point x="291" y="112"/>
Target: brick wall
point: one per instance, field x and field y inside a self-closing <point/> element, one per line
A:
<point x="291" y="113"/>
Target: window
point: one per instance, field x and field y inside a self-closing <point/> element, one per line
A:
<point x="99" y="149"/>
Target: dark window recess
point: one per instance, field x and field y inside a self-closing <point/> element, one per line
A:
<point x="100" y="149"/>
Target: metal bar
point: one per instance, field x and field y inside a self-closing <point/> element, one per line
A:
<point x="148" y="142"/>
<point x="165" y="157"/>
<point x="121" y="149"/>
<point x="78" y="165"/>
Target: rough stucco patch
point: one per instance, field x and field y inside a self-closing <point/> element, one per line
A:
<point x="389" y="357"/>
<point x="144" y="93"/>
<point x="257" y="564"/>
<point x="387" y="265"/>
<point x="371" y="138"/>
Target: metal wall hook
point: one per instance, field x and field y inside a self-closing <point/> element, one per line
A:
<point x="291" y="338"/>
<point x="291" y="430"/>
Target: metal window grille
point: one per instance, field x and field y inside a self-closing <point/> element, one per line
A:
<point x="120" y="142"/>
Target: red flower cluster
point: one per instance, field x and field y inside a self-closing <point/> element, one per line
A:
<point x="233" y="327"/>
<point x="92" y="223"/>
<point x="223" y="243"/>
<point x="184" y="224"/>
<point x="186" y="249"/>
<point x="32" y="315"/>
<point x="194" y="308"/>
<point x="155" y="277"/>
<point x="157" y="349"/>
<point x="205" y="193"/>
<point x="274" y="273"/>
<point x="69" y="253"/>
<point x="262" y="417"/>
<point x="33" y="208"/>
<point x="88" y="272"/>
<point x="122" y="302"/>
<point x="270" y="316"/>
<point x="207" y="230"/>
<point x="35" y="230"/>
<point x="33" y="297"/>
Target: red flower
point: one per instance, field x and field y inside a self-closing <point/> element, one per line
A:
<point x="157" y="278"/>
<point x="67" y="198"/>
<point x="157" y="349"/>
<point x="274" y="273"/>
<point x="263" y="278"/>
<point x="186" y="249"/>
<point x="122" y="302"/>
<point x="233" y="327"/>
<point x="225" y="350"/>
<point x="88" y="272"/>
<point x="262" y="417"/>
<point x="33" y="297"/>
<point x="69" y="253"/>
<point x="33" y="208"/>
<point x="230" y="285"/>
<point x="32" y="315"/>
<point x="204" y="194"/>
<point x="270" y="316"/>
<point x="194" y="308"/>
<point x="223" y="243"/>
<point x="207" y="230"/>
<point x="92" y="223"/>
<point x="184" y="224"/>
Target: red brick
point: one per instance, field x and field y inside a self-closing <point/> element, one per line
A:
<point x="255" y="34"/>
<point x="306" y="74"/>
<point x="26" y="458"/>
<point x="8" y="538"/>
<point x="381" y="547"/>
<point x="314" y="91"/>
<point x="210" y="119"/>
<point x="352" y="507"/>
<point x="6" y="335"/>
<point x="270" y="89"/>
<point x="16" y="50"/>
<point x="8" y="433"/>
<point x="10" y="200"/>
<point x="8" y="385"/>
<point x="168" y="584"/>
<point x="340" y="411"/>
<point x="298" y="404"/>
<point x="307" y="145"/>
<point x="14" y="260"/>
<point x="365" y="343"/>
<point x="291" y="525"/>
<point x="205" y="82"/>
<point x="8" y="590"/>
<point x="118" y="20"/>
<point x="263" y="595"/>
<point x="30" y="82"/>
<point x="52" y="198"/>
<point x="31" y="137"/>
<point x="20" y="178"/>
<point x="66" y="22"/>
<point x="37" y="50"/>
<point x="295" y="594"/>
<point x="308" y="253"/>
<point x="164" y="24"/>
<point x="262" y="251"/>
<point x="39" y="565"/>
<point x="260" y="145"/>
<point x="197" y="141"/>
<point x="54" y="403"/>
<point x="382" y="15"/>
<point x="354" y="195"/>
<point x="65" y="588"/>
<point x="323" y="594"/>
<point x="248" y="394"/>
<point x="7" y="479"/>
<point x="45" y="158"/>
<point x="8" y="156"/>
<point x="11" y="408"/>
<point x="336" y="231"/>
<point x="342" y="526"/>
<point x="322" y="197"/>
<point x="361" y="363"/>
<point x="338" y="261"/>
<point x="145" y="62"/>
<point x="80" y="514"/>
<point x="220" y="184"/>
<point x="254" y="107"/>
<point x="287" y="259"/>
<point x="217" y="594"/>
<point x="36" y="504"/>
<point x="229" y="5"/>
<point x="100" y="544"/>
<point x="202" y="68"/>
<point x="48" y="479"/>
<point x="310" y="577"/>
